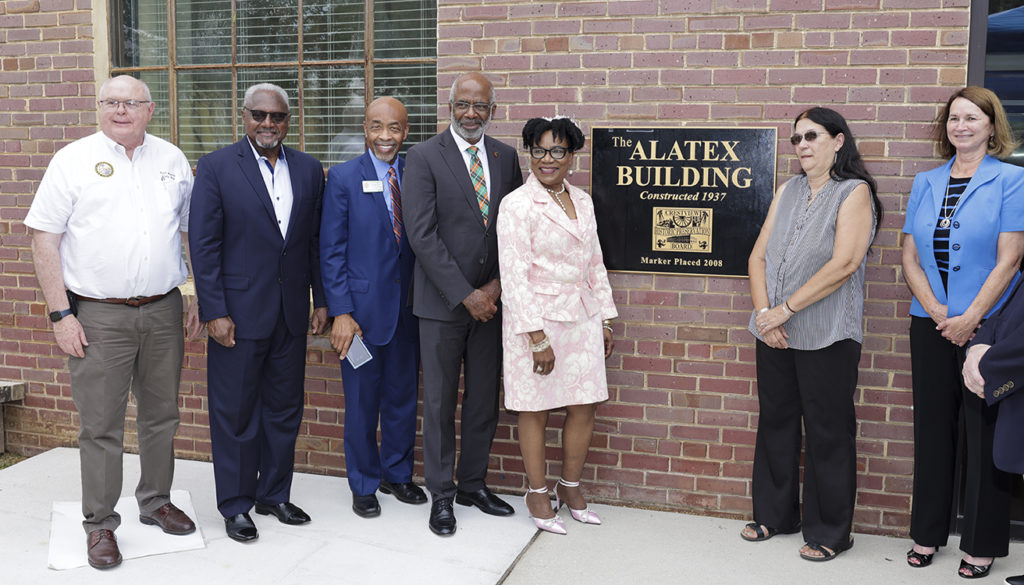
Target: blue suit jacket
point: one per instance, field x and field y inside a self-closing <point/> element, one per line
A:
<point x="993" y="202"/>
<point x="1003" y="370"/>
<point x="243" y="267"/>
<point x="365" y="271"/>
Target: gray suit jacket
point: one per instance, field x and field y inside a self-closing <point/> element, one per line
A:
<point x="455" y="252"/>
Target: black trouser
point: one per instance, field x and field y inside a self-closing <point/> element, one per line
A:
<point x="815" y="386"/>
<point x="939" y="394"/>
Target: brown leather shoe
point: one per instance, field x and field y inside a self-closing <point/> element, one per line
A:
<point x="102" y="549"/>
<point x="170" y="518"/>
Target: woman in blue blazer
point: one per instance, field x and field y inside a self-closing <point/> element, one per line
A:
<point x="962" y="246"/>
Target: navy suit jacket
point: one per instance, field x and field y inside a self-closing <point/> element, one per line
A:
<point x="365" y="271"/>
<point x="243" y="267"/>
<point x="1003" y="370"/>
<point x="455" y="252"/>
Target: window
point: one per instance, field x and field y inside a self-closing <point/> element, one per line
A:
<point x="331" y="56"/>
<point x="997" y="59"/>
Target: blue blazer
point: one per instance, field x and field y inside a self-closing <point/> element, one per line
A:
<point x="365" y="271"/>
<point x="1003" y="370"/>
<point x="993" y="202"/>
<point x="243" y="267"/>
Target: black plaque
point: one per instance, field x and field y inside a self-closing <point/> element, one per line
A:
<point x="681" y="200"/>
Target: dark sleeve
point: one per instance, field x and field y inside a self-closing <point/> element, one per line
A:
<point x="334" y="244"/>
<point x="419" y="211"/>
<point x="319" y="299"/>
<point x="1002" y="366"/>
<point x="205" y="241"/>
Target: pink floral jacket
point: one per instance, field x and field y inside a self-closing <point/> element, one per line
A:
<point x="551" y="266"/>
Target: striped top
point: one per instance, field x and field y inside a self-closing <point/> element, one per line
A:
<point x="955" y="188"/>
<point x="801" y="242"/>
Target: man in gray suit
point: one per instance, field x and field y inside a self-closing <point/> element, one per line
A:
<point x="453" y="185"/>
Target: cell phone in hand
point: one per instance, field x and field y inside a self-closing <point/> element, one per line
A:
<point x="358" y="354"/>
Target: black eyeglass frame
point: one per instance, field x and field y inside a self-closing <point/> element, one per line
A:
<point x="534" y="150"/>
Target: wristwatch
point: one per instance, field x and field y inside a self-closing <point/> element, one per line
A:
<point x="58" y="315"/>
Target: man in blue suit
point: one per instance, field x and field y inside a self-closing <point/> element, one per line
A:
<point x="367" y="266"/>
<point x="253" y="231"/>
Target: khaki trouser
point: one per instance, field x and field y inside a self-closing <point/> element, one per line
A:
<point x="130" y="348"/>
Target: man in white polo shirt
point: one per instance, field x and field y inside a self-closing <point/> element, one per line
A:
<point x="106" y="242"/>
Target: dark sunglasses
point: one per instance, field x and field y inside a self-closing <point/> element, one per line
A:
<point x="810" y="136"/>
<point x="260" y="115"/>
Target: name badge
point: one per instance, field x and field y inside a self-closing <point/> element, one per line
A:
<point x="373" y="186"/>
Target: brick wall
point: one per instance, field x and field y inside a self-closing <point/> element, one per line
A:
<point x="679" y="429"/>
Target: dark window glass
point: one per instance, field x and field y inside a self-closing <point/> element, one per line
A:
<point x="1004" y="63"/>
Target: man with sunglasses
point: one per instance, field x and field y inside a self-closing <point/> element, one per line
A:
<point x="107" y="223"/>
<point x="453" y="185"/>
<point x="254" y="228"/>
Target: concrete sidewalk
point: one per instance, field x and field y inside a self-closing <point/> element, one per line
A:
<point x="633" y="546"/>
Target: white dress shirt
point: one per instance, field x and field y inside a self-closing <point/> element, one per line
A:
<point x="120" y="218"/>
<point x="279" y="186"/>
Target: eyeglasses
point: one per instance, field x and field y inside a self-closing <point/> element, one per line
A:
<point x="128" y="104"/>
<point x="260" y="115"/>
<point x="479" y="107"/>
<point x="810" y="136"/>
<point x="557" y="153"/>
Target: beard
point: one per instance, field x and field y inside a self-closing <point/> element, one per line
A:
<point x="470" y="135"/>
<point x="383" y="157"/>
<point x="268" y="141"/>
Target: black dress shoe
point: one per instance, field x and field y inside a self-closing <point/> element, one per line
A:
<point x="442" y="517"/>
<point x="241" y="528"/>
<point x="366" y="506"/>
<point x="286" y="512"/>
<point x="485" y="500"/>
<point x="408" y="492"/>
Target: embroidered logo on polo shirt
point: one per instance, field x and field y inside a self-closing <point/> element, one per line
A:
<point x="104" y="169"/>
<point x="167" y="176"/>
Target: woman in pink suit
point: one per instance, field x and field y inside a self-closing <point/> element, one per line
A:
<point x="557" y="303"/>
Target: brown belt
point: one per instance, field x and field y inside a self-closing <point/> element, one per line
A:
<point x="131" y="302"/>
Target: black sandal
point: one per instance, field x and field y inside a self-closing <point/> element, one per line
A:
<point x="977" y="571"/>
<point x="923" y="560"/>
<point x="762" y="533"/>
<point x="826" y="553"/>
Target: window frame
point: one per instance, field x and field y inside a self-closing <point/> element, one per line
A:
<point x="368" y="62"/>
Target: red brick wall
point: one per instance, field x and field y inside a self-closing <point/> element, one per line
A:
<point x="678" y="432"/>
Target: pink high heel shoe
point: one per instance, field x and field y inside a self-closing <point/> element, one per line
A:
<point x="586" y="515"/>
<point x="554" y="524"/>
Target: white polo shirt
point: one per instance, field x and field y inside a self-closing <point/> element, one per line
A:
<point x="120" y="218"/>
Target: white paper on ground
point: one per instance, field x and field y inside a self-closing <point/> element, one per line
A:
<point x="68" y="539"/>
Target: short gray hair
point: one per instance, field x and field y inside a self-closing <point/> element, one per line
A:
<point x="247" y="101"/>
<point x="451" y="92"/>
<point x="145" y="88"/>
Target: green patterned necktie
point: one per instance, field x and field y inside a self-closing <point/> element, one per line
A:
<point x="476" y="172"/>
